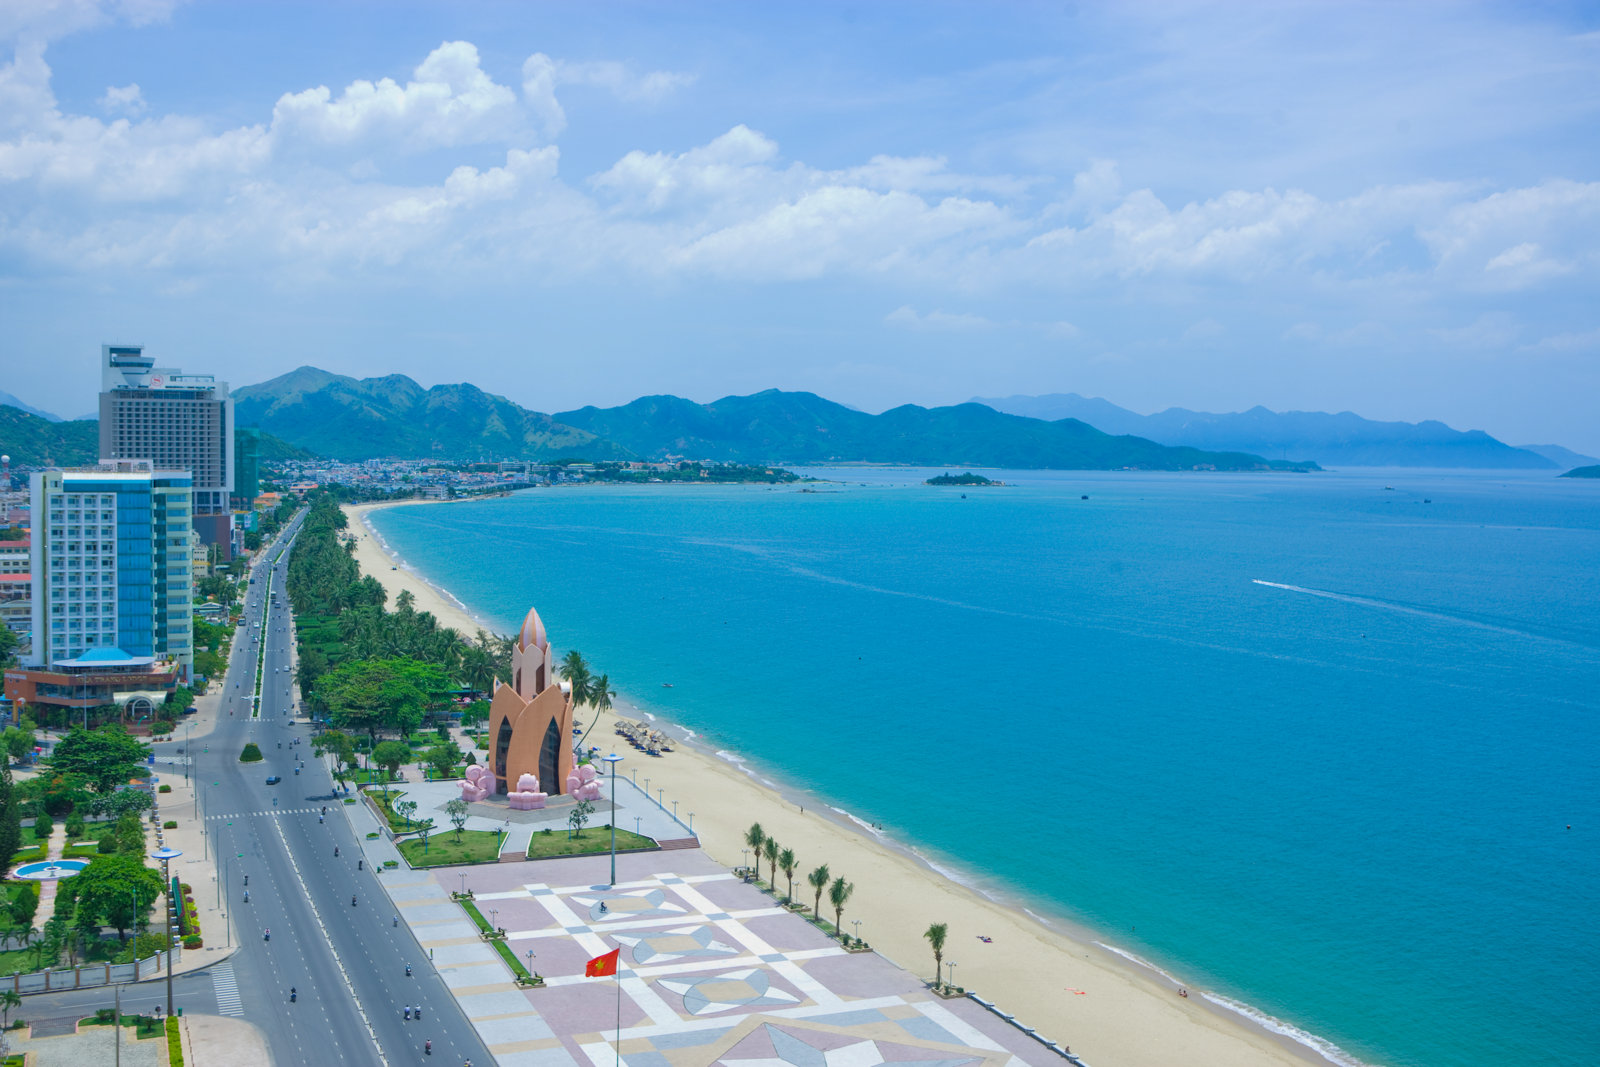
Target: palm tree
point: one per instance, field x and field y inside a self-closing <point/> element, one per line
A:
<point x="819" y="881"/>
<point x="935" y="934"/>
<point x="838" y="893"/>
<point x="755" y="837"/>
<point x="576" y="673"/>
<point x="8" y="1000"/>
<point x="771" y="849"/>
<point x="787" y="861"/>
<point x="600" y="696"/>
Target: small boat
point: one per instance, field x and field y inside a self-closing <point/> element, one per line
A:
<point x="666" y="685"/>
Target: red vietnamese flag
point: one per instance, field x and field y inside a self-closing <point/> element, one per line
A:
<point x="603" y="966"/>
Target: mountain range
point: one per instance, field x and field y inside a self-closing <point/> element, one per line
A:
<point x="394" y="416"/>
<point x="1342" y="440"/>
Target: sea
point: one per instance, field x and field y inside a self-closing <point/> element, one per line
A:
<point x="1326" y="746"/>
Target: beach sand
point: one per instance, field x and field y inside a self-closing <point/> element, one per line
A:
<point x="376" y="559"/>
<point x="1109" y="1010"/>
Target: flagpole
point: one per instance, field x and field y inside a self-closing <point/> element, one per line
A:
<point x="619" y="1011"/>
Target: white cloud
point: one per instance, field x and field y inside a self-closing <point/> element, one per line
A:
<point x="909" y="318"/>
<point x="49" y="20"/>
<point x="1492" y="330"/>
<point x="623" y="83"/>
<point x="126" y="100"/>
<point x="1205" y="331"/>
<point x="449" y="101"/>
<point x="539" y="93"/>
<point x="1584" y="341"/>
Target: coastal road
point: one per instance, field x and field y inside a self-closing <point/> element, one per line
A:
<point x="347" y="961"/>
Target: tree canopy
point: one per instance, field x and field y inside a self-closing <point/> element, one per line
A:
<point x="118" y="890"/>
<point x="107" y="757"/>
<point x="380" y="696"/>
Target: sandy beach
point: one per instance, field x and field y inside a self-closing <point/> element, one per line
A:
<point x="1109" y="1010"/>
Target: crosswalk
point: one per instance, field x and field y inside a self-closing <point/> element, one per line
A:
<point x="227" y="990"/>
<point x="268" y="812"/>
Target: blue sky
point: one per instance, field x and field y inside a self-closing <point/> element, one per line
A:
<point x="1386" y="208"/>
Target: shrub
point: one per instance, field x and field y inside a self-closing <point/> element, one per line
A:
<point x="42" y="827"/>
<point x="193" y="941"/>
<point x="174" y="1043"/>
<point x="163" y="789"/>
<point x="108" y="843"/>
<point x="75" y="826"/>
<point x="251" y="753"/>
<point x="104" y="1015"/>
<point x="170" y="824"/>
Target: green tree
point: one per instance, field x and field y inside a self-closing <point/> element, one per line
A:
<point x="576" y="673"/>
<point x="54" y="934"/>
<point x="770" y="848"/>
<point x="600" y="697"/>
<point x="8" y="648"/>
<point x="9" y="999"/>
<point x="251" y="753"/>
<point x="122" y="802"/>
<point x="935" y="933"/>
<point x="787" y="861"/>
<point x="475" y="714"/>
<point x="119" y="890"/>
<point x="18" y="742"/>
<point x="107" y="757"/>
<point x="391" y="755"/>
<point x="406" y="809"/>
<point x="343" y="749"/>
<point x="10" y="821"/>
<point x="130" y="835"/>
<point x="456" y="809"/>
<point x="755" y="837"/>
<point x="443" y="759"/>
<point x="838" y="893"/>
<point x="382" y="695"/>
<point x="818" y="880"/>
<point x="23" y="908"/>
<point x="580" y="816"/>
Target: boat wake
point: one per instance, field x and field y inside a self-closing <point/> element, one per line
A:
<point x="1402" y="609"/>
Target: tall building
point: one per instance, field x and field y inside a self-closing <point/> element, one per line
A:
<point x="177" y="421"/>
<point x="111" y="564"/>
<point x="246" y="466"/>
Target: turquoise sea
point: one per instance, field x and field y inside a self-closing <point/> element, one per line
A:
<point x="1309" y="742"/>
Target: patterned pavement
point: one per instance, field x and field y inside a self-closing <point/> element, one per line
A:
<point x="712" y="971"/>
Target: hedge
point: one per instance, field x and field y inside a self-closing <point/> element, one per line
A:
<point x="174" y="1043"/>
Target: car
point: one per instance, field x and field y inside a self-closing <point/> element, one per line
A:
<point x="273" y="779"/>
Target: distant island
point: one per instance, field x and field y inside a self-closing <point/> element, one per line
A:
<point x="1342" y="440"/>
<point x="1583" y="472"/>
<point x="964" y="478"/>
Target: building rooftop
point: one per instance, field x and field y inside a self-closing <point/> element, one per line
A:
<point x="106" y="657"/>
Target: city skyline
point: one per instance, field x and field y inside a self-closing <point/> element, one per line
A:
<point x="1334" y="207"/>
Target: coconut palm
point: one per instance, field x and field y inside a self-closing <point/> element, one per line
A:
<point x="935" y="934"/>
<point x="787" y="861"/>
<point x="818" y="880"/>
<point x="770" y="846"/>
<point x="838" y="893"/>
<point x="600" y="696"/>
<point x="576" y="673"/>
<point x="755" y="837"/>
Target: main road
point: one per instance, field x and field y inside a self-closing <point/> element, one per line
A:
<point x="334" y="935"/>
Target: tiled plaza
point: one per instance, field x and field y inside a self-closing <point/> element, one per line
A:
<point x="711" y="972"/>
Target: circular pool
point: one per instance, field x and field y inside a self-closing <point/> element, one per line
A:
<point x="48" y="870"/>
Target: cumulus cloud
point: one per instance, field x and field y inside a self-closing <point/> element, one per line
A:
<point x="48" y="20"/>
<point x="126" y="100"/>
<point x="541" y="75"/>
<point x="911" y="319"/>
<point x="449" y="101"/>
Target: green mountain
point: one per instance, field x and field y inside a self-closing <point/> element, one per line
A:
<point x="1583" y="472"/>
<point x="355" y="419"/>
<point x="30" y="440"/>
<point x="796" y="428"/>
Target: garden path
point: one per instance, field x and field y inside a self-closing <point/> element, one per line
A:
<point x="47" y="888"/>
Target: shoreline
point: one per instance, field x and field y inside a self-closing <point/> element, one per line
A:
<point x="1110" y="1006"/>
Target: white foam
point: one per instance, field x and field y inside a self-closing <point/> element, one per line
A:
<point x="868" y="827"/>
<point x="1321" y="1046"/>
<point x="1131" y="958"/>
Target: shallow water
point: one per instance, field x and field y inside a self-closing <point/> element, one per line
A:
<point x="1307" y="742"/>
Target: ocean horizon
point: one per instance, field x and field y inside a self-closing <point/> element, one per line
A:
<point x="1309" y="742"/>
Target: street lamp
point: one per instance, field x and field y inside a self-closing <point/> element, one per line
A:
<point x="636" y="830"/>
<point x="463" y="883"/>
<point x="167" y="854"/>
<point x="659" y="804"/>
<point x="952" y="967"/>
<point x="691" y="822"/>
<point x="613" y="759"/>
<point x="674" y="809"/>
<point x="494" y="926"/>
<point x="857" y="924"/>
<point x="746" y="863"/>
<point x="530" y="963"/>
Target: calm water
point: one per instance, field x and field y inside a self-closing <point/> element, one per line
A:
<point x="1342" y="799"/>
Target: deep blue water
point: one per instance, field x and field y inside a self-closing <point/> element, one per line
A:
<point x="1344" y="803"/>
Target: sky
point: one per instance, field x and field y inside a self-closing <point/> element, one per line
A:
<point x="1387" y="208"/>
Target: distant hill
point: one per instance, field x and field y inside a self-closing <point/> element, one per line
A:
<point x="793" y="428"/>
<point x="7" y="400"/>
<point x="354" y="419"/>
<point x="1342" y="440"/>
<point x="33" y="441"/>
<point x="1584" y="472"/>
<point x="1561" y="457"/>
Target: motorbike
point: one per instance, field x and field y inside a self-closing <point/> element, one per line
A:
<point x="292" y="994"/>
<point x="352" y="900"/>
<point x="268" y="935"/>
<point x="408" y="970"/>
<point x="247" y="896"/>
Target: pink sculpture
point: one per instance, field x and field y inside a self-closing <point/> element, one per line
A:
<point x="479" y="782"/>
<point x="582" y="783"/>
<point x="527" y="796"/>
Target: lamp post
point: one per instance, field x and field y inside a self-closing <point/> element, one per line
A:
<point x="952" y="967"/>
<point x="659" y="804"/>
<point x="636" y="830"/>
<point x="494" y="926"/>
<point x="613" y="759"/>
<point x="166" y="855"/>
<point x="463" y="883"/>
<point x="674" y="809"/>
<point x="857" y="924"/>
<point x="691" y="822"/>
<point x="530" y="963"/>
<point x="746" y="863"/>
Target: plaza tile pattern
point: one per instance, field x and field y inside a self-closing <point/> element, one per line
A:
<point x="711" y="972"/>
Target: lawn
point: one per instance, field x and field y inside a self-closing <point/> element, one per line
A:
<point x="477" y="846"/>
<point x="560" y="843"/>
<point x="397" y="822"/>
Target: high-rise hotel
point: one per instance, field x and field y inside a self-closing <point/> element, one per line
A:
<point x="113" y="586"/>
<point x="177" y="421"/>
